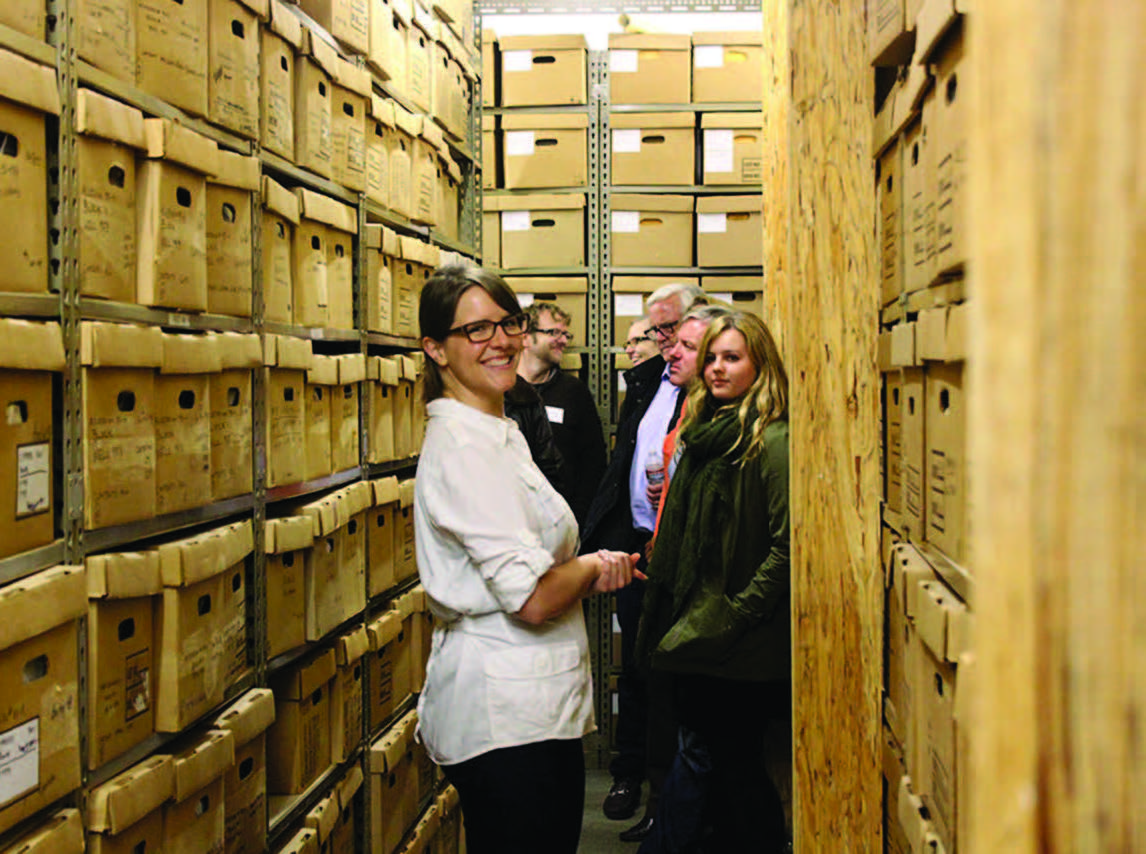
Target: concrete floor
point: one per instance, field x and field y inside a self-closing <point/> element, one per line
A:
<point x="599" y="834"/>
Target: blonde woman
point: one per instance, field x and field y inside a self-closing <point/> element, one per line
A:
<point x="716" y="611"/>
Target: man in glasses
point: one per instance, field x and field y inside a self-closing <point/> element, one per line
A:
<point x="639" y="343"/>
<point x="568" y="403"/>
<point x="622" y="516"/>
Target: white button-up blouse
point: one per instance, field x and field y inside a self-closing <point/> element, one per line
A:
<point x="487" y="526"/>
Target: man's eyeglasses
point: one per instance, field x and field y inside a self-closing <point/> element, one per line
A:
<point x="637" y="339"/>
<point x="556" y="333"/>
<point x="481" y="331"/>
<point x="665" y="330"/>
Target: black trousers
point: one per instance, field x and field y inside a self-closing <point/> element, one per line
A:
<point x="523" y="800"/>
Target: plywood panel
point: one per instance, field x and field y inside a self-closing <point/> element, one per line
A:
<point x="1058" y="425"/>
<point x="777" y="108"/>
<point x="833" y="291"/>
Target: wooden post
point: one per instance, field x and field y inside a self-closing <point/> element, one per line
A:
<point x="831" y="342"/>
<point x="776" y="171"/>
<point x="1057" y="425"/>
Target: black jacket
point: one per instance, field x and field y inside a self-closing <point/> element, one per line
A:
<point x="524" y="406"/>
<point x="609" y="523"/>
<point x="577" y="431"/>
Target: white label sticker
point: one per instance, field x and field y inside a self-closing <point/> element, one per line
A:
<point x="628" y="305"/>
<point x="627" y="222"/>
<point x="718" y="151"/>
<point x="627" y="141"/>
<point x="518" y="143"/>
<point x="517" y="60"/>
<point x="621" y="386"/>
<point x="19" y="760"/>
<point x="711" y="223"/>
<point x="525" y="300"/>
<point x="556" y="414"/>
<point x="516" y="220"/>
<point x="722" y="297"/>
<point x="708" y="56"/>
<point x="34" y="472"/>
<point x="622" y="61"/>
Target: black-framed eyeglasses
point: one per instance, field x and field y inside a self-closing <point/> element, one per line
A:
<point x="481" y="331"/>
<point x="664" y="330"/>
<point x="556" y="333"/>
<point x="637" y="339"/>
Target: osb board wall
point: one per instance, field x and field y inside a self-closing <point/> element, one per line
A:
<point x="836" y="577"/>
<point x="776" y="103"/>
<point x="1057" y="426"/>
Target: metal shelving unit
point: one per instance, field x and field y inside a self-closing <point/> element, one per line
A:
<point x="25" y="563"/>
<point x="26" y="46"/>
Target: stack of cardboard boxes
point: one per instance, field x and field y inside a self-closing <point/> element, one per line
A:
<point x="919" y="153"/>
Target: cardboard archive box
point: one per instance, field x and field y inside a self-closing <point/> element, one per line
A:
<point x="321" y="380"/>
<point x="344" y="407"/>
<point x="419" y="59"/>
<point x="450" y="833"/>
<point x="378" y="291"/>
<point x="183" y="422"/>
<point x="389" y="24"/>
<point x="918" y="199"/>
<point x="105" y="32"/>
<point x="171" y="216"/>
<point x="406" y="564"/>
<point x="346" y="20"/>
<point x="287" y="541"/>
<point x="424" y="163"/>
<point x="171" y="52"/>
<point x="913" y="417"/>
<point x="423" y="628"/>
<point x="346" y="694"/>
<point x="491" y="233"/>
<point x="233" y="67"/>
<point x="342" y="838"/>
<point x="629" y="294"/>
<point x="728" y="231"/>
<point x="281" y="43"/>
<point x="245" y="782"/>
<point x="379" y="141"/>
<point x="727" y="67"/>
<point x="313" y="80"/>
<point x="905" y="569"/>
<point x="199" y="628"/>
<point x="393" y="784"/>
<point x="298" y="742"/>
<point x="404" y="414"/>
<point x="889" y="207"/>
<point x="648" y="68"/>
<point x="538" y="71"/>
<point x="230" y="272"/>
<point x="949" y="159"/>
<point x="651" y="230"/>
<point x="322" y="819"/>
<point x="389" y="666"/>
<point x="893" y="443"/>
<point x="324" y="262"/>
<point x="545" y="150"/>
<point x="230" y="393"/>
<point x="281" y="215"/>
<point x="743" y="293"/>
<point x="119" y="421"/>
<point x="334" y="568"/>
<point x="568" y="293"/>
<point x="61" y="832"/>
<point x="451" y="84"/>
<point x="287" y="360"/>
<point x="29" y="354"/>
<point x="27" y="95"/>
<point x="122" y="590"/>
<point x="449" y="194"/>
<point x="891" y="31"/>
<point x="194" y="820"/>
<point x="349" y="105"/>
<point x="381" y="536"/>
<point x="125" y="814"/>
<point x="542" y="230"/>
<point x="39" y="679"/>
<point x="490" y="66"/>
<point x="409" y="270"/>
<point x="490" y="156"/>
<point x="383" y="373"/>
<point x="653" y="148"/>
<point x="733" y="148"/>
<point x="304" y="841"/>
<point x="407" y="128"/>
<point x="110" y="135"/>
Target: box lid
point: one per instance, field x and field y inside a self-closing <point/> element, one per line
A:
<point x="351" y="368"/>
<point x="324" y="817"/>
<point x="190" y="354"/>
<point x="288" y="353"/>
<point x="248" y="716"/>
<point x="382" y="109"/>
<point x="488" y="123"/>
<point x="544" y="121"/>
<point x="29" y="83"/>
<point x="323" y="371"/>
<point x="425" y="21"/>
<point x="935" y="18"/>
<point x="407" y="122"/>
<point x="432" y="134"/>
<point x="60" y="833"/>
<point x="350" y="76"/>
<point x="320" y="208"/>
<point x="544" y="43"/>
<point x="238" y="171"/>
<point x="40" y="602"/>
<point x="541" y="202"/>
<point x="279" y="199"/>
<point x="107" y="118"/>
<point x="730" y="204"/>
<point x="323" y="55"/>
<point x="351" y="647"/>
<point x="286" y="24"/>
<point x="488" y="36"/>
<point x="125" y="799"/>
<point x="382" y="369"/>
<point x="191" y="560"/>
<point x="259" y="7"/>
<point x="238" y="350"/>
<point x="746" y="37"/>
<point x="349" y="786"/>
<point x="411" y="367"/>
<point x="732" y="284"/>
<point x="177" y="144"/>
<point x="391" y="746"/>
<point x="120" y="345"/>
<point x="651" y="202"/>
<point x="384" y="629"/>
<point x="356" y="498"/>
<point x="124" y="575"/>
<point x="31" y="346"/>
<point x="449" y="799"/>
<point x="548" y="284"/>
<point x="385" y="490"/>
<point x="903" y="345"/>
<point x="649" y="41"/>
<point x="304" y="841"/>
<point x="204" y="761"/>
<point x="306" y="678"/>
<point x="405" y="604"/>
<point x="755" y="121"/>
<point x="648" y="284"/>
<point x="323" y="515"/>
<point x="652" y="121"/>
<point x="288" y="534"/>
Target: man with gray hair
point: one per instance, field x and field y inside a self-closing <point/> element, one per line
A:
<point x="622" y="516"/>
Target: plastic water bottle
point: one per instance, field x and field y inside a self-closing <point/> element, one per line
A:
<point x="655" y="467"/>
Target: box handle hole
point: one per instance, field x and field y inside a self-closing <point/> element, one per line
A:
<point x="126" y="629"/>
<point x="36" y="669"/>
<point x="116" y="176"/>
<point x="125" y="401"/>
<point x="187" y="399"/>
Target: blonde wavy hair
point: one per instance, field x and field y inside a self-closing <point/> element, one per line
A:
<point x="766" y="399"/>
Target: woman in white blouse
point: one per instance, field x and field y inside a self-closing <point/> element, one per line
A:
<point x="508" y="692"/>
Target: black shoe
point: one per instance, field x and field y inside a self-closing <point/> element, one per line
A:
<point x="623" y="799"/>
<point x="638" y="831"/>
